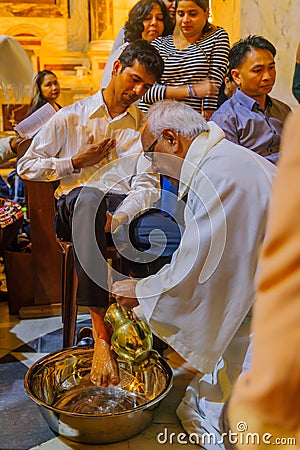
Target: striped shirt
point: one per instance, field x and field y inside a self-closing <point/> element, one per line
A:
<point x="207" y="57"/>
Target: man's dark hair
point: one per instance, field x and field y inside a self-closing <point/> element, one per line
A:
<point x="229" y="74"/>
<point x="134" y="26"/>
<point x="145" y="54"/>
<point x="239" y="50"/>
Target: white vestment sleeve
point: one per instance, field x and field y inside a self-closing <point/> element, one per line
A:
<point x="198" y="302"/>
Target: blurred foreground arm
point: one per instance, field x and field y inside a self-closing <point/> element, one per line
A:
<point x="267" y="398"/>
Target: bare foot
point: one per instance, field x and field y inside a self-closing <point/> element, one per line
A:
<point x="104" y="369"/>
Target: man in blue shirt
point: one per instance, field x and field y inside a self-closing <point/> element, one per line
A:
<point x="251" y="117"/>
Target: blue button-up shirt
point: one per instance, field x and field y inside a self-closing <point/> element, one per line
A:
<point x="245" y="122"/>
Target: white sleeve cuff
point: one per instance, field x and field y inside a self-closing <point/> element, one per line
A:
<point x="64" y="167"/>
<point x="138" y="311"/>
<point x="147" y="303"/>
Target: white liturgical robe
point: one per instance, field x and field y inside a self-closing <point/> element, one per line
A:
<point x="199" y="304"/>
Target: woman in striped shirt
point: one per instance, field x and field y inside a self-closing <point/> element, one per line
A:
<point x="195" y="58"/>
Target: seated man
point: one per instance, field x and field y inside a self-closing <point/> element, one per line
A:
<point x="200" y="303"/>
<point x="227" y="89"/>
<point x="250" y="117"/>
<point x="96" y="143"/>
<point x="8" y="150"/>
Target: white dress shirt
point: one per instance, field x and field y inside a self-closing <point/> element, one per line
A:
<point x="124" y="172"/>
<point x="6" y="152"/>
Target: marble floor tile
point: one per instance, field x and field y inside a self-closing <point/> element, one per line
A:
<point x="22" y="343"/>
<point x="22" y="426"/>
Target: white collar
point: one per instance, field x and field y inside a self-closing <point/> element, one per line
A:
<point x="99" y="109"/>
<point x="199" y="147"/>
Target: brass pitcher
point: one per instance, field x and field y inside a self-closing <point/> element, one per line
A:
<point x="131" y="338"/>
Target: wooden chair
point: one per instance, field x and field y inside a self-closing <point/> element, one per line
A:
<point x="55" y="278"/>
<point x="69" y="307"/>
<point x="8" y="233"/>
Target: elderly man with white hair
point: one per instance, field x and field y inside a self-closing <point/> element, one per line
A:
<point x="200" y="303"/>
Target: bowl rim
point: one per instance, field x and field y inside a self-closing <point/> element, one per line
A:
<point x="28" y="376"/>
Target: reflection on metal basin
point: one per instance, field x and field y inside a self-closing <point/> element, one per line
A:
<point x="78" y="410"/>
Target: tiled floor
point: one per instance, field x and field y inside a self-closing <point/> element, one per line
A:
<point x="22" y="426"/>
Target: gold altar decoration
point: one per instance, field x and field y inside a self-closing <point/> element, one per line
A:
<point x="101" y="19"/>
<point x="37" y="8"/>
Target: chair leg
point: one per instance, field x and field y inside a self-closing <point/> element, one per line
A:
<point x="69" y="307"/>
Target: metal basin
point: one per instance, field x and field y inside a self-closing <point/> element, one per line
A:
<point x="78" y="410"/>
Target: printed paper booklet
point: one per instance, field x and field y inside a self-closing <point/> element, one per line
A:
<point x="32" y="124"/>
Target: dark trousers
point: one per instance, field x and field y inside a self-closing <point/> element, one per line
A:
<point x="81" y="218"/>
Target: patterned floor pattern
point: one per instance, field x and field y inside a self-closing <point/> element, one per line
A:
<point x="22" y="426"/>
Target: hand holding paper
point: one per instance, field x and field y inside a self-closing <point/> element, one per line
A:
<point x="32" y="124"/>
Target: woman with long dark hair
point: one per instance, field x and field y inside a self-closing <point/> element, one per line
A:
<point x="148" y="19"/>
<point x="46" y="89"/>
<point x="120" y="38"/>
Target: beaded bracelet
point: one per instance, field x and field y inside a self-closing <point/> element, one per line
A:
<point x="191" y="90"/>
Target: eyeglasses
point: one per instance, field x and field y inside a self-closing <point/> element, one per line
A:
<point x="149" y="153"/>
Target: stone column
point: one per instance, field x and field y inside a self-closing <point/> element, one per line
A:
<point x="98" y="53"/>
<point x="227" y="14"/>
<point x="121" y="10"/>
<point x="101" y="19"/>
